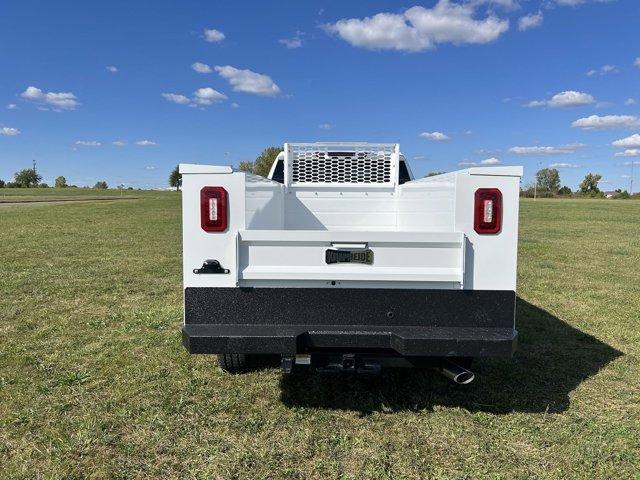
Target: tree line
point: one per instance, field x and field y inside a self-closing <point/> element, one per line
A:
<point x="547" y="184"/>
<point x="30" y="178"/>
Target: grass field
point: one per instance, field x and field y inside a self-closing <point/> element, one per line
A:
<point x="94" y="382"/>
<point x="20" y="195"/>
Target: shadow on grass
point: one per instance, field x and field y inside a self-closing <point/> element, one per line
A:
<point x="553" y="358"/>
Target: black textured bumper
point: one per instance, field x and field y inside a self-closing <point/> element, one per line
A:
<point x="405" y="322"/>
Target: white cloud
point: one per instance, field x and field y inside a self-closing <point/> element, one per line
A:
<point x="420" y="28"/>
<point x="570" y="98"/>
<point x="435" y="136"/>
<point x="604" y="70"/>
<point x="9" y="131"/>
<point x="630" y="101"/>
<point x="630" y="152"/>
<point x="201" y="97"/>
<point x="119" y="143"/>
<point x="466" y="163"/>
<point x="149" y="167"/>
<point x="176" y="98"/>
<point x="294" y="42"/>
<point x="561" y="149"/>
<point x="630" y="142"/>
<point x="596" y="122"/>
<point x="507" y="4"/>
<point x="112" y="69"/>
<point x="248" y="81"/>
<point x="88" y="143"/>
<point x="531" y="20"/>
<point x="563" y="165"/>
<point x="419" y="157"/>
<point x="566" y="99"/>
<point x="146" y="143"/>
<point x="575" y="3"/>
<point x="12" y="106"/>
<point x="325" y="126"/>
<point x="201" y="67"/>
<point x="235" y="105"/>
<point x="625" y="176"/>
<point x="636" y="62"/>
<point x="212" y="35"/>
<point x="62" y="100"/>
<point x="490" y="161"/>
<point x="207" y="96"/>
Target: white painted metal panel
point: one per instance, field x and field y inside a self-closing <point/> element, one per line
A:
<point x="196" y="168"/>
<point x="335" y="209"/>
<point x="264" y="203"/>
<point x="490" y="260"/>
<point x="300" y="255"/>
<point x="199" y="245"/>
<point x="497" y="171"/>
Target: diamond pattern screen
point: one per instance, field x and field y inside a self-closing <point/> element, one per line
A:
<point x="315" y="164"/>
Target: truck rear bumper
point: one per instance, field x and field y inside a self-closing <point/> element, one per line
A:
<point x="404" y="341"/>
<point x="405" y="322"/>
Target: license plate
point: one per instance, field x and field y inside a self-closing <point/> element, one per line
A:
<point x="349" y="256"/>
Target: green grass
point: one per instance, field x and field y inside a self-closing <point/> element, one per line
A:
<point x="13" y="195"/>
<point x="94" y="382"/>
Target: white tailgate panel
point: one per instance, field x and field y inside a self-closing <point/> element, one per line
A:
<point x="398" y="256"/>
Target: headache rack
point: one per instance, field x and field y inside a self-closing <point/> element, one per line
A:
<point x="317" y="164"/>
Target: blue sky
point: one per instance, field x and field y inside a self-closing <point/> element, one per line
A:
<point x="529" y="82"/>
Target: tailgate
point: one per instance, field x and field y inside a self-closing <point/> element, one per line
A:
<point x="397" y="256"/>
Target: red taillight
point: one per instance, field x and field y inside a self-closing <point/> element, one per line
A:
<point x="213" y="209"/>
<point x="488" y="210"/>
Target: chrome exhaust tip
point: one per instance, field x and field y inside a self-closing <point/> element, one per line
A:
<point x="455" y="372"/>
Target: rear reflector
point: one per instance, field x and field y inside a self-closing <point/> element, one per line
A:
<point x="213" y="209"/>
<point x="488" y="210"/>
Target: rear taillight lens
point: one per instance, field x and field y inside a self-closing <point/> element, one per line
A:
<point x="214" y="216"/>
<point x="488" y="210"/>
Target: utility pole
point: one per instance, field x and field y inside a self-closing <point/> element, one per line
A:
<point x="535" y="183"/>
<point x="34" y="165"/>
<point x="631" y="183"/>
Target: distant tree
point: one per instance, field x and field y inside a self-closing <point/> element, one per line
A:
<point x="433" y="174"/>
<point x="590" y="184"/>
<point x="43" y="185"/>
<point x="548" y="179"/>
<point x="12" y="185"/>
<point x="246" y="166"/>
<point x="101" y="185"/>
<point x="175" y="179"/>
<point x="527" y="191"/>
<point x="27" y="178"/>
<point x="622" y="194"/>
<point x="263" y="162"/>
<point x="61" y="182"/>
<point x="565" y="191"/>
<point x="1" y="183"/>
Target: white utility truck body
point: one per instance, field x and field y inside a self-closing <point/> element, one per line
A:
<point x="341" y="254"/>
